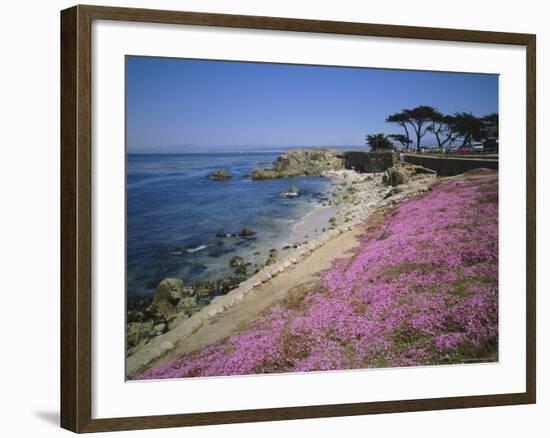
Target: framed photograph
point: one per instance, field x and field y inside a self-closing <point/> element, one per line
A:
<point x="270" y="218"/>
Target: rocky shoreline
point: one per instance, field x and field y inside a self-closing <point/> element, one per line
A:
<point x="296" y="162"/>
<point x="156" y="324"/>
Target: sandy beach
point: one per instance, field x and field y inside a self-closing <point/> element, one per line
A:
<point x="312" y="224"/>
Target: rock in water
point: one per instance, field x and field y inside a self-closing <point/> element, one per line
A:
<point x="265" y="174"/>
<point x="169" y="290"/>
<point x="296" y="162"/>
<point x="236" y="261"/>
<point x="247" y="232"/>
<point x="272" y="259"/>
<point x="219" y="175"/>
<point x="168" y="295"/>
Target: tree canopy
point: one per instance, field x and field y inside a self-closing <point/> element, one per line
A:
<point x="445" y="128"/>
<point x="379" y="142"/>
<point x="417" y="119"/>
<point x="468" y="126"/>
<point x="403" y="140"/>
<point x="401" y="119"/>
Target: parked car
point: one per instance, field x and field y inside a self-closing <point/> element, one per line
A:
<point x="476" y="146"/>
<point x="463" y="149"/>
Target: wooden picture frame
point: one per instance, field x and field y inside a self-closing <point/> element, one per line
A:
<point x="76" y="217"/>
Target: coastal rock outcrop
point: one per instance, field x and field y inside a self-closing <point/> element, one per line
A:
<point x="402" y="173"/>
<point x="265" y="174"/>
<point x="170" y="297"/>
<point x="219" y="175"/>
<point x="297" y="162"/>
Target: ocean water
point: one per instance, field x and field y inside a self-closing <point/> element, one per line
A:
<point x="171" y="204"/>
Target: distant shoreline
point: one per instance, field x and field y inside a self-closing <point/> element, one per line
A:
<point x="243" y="149"/>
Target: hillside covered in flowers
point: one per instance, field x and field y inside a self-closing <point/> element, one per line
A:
<point x="421" y="288"/>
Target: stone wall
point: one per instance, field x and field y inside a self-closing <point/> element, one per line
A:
<point x="368" y="162"/>
<point x="446" y="166"/>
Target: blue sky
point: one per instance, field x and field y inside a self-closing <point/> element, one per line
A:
<point x="177" y="105"/>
